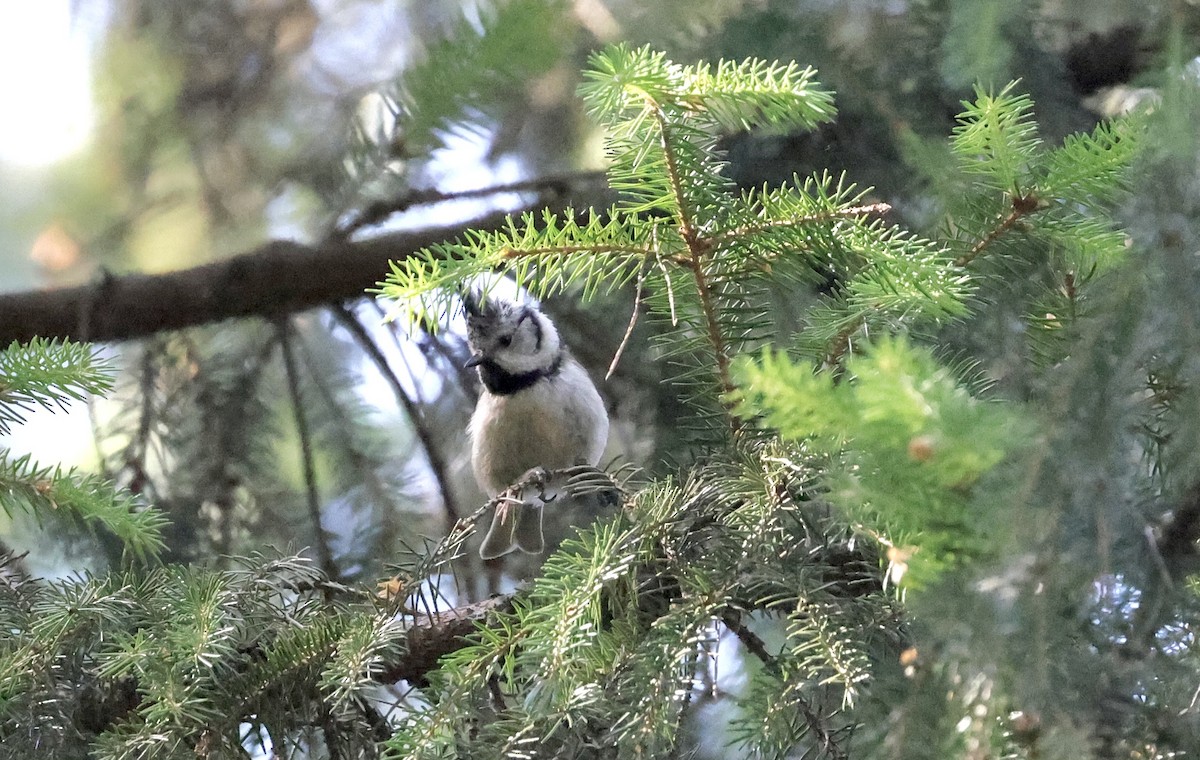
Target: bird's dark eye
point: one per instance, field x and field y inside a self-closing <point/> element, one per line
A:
<point x="506" y="341"/>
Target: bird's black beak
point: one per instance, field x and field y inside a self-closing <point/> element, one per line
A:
<point x="474" y="361"/>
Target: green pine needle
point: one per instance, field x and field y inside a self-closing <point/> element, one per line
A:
<point x="47" y="374"/>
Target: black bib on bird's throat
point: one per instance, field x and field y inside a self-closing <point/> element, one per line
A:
<point x="501" y="382"/>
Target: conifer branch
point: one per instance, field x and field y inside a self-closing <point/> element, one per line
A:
<point x="757" y="647"/>
<point x="516" y="253"/>
<point x="674" y="176"/>
<point x="1022" y="206"/>
<point x="312" y="497"/>
<point x="754" y="645"/>
<point x="437" y="462"/>
<point x="698" y="248"/>
<point x="427" y="639"/>
<point x="379" y="211"/>
<point x="800" y="222"/>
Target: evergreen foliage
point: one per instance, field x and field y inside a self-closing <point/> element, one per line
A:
<point x="845" y="480"/>
<point x="50" y="375"/>
<point x="891" y="437"/>
<point x="908" y="445"/>
<point x="479" y="71"/>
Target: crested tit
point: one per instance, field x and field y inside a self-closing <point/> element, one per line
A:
<point x="538" y="408"/>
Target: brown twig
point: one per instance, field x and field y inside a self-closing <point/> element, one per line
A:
<point x="324" y="554"/>
<point x="698" y="250"/>
<point x="802" y="221"/>
<point x="1022" y="206"/>
<point x="437" y="463"/>
<point x="755" y="645"/>
<point x="841" y="345"/>
<point x="557" y="184"/>
<point x="633" y="318"/>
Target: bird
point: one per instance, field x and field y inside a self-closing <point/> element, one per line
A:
<point x="538" y="409"/>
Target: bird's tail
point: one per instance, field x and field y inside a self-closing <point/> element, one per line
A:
<point x="514" y="526"/>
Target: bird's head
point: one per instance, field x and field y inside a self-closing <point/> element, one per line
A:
<point x="514" y="338"/>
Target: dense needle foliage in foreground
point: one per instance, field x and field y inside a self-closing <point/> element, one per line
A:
<point x="884" y="545"/>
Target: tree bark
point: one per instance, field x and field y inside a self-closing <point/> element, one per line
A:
<point x="277" y="278"/>
<point x="429" y="638"/>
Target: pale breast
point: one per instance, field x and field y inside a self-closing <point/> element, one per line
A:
<point x="556" y="423"/>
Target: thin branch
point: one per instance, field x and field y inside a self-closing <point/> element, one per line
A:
<point x="437" y="462"/>
<point x="715" y="337"/>
<point x="674" y="176"/>
<point x="450" y="546"/>
<point x="141" y="444"/>
<point x="360" y="460"/>
<point x="698" y="249"/>
<point x="432" y="349"/>
<point x="670" y="290"/>
<point x="841" y="344"/>
<point x="801" y="221"/>
<point x="324" y="555"/>
<point x="755" y="645"/>
<point x="516" y="253"/>
<point x="375" y="213"/>
<point x="1022" y="206"/>
<point x="633" y="318"/>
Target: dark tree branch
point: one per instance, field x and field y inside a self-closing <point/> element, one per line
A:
<point x="1173" y="549"/>
<point x="437" y="462"/>
<point x="276" y="279"/>
<point x="755" y="645"/>
<point x="375" y="213"/>
<point x="431" y="635"/>
<point x="435" y="635"/>
<point x="1176" y="537"/>
<point x="324" y="554"/>
<point x="429" y="638"/>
